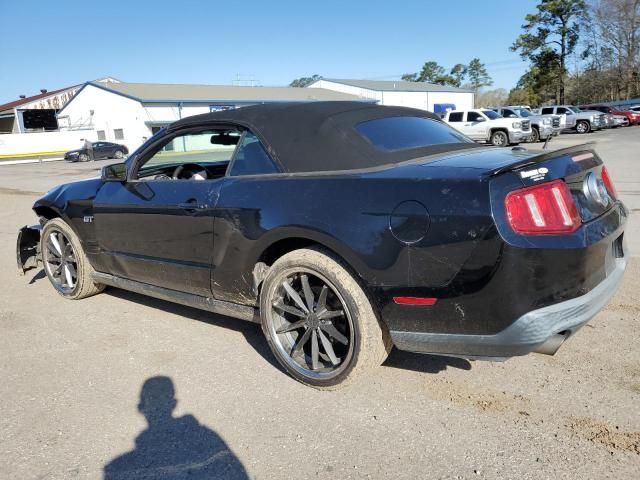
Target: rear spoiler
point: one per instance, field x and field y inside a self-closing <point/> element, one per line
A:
<point x="544" y="156"/>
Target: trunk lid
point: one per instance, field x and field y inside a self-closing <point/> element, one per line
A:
<point x="579" y="166"/>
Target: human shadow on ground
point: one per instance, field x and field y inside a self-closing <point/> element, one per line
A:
<point x="173" y="447"/>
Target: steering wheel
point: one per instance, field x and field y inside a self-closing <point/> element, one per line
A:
<point x="190" y="171"/>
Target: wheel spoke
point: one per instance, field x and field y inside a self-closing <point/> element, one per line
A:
<point x="56" y="244"/>
<point x="72" y="270"/>
<point x="333" y="331"/>
<point x="294" y="296"/>
<point x="308" y="294"/>
<point x="315" y="352"/>
<point x="68" y="277"/>
<point x="302" y="340"/>
<point x="322" y="299"/>
<point x="289" y="309"/>
<point x="330" y="314"/>
<point x="292" y="326"/>
<point x="328" y="348"/>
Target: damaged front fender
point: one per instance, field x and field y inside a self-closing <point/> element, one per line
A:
<point x="28" y="248"/>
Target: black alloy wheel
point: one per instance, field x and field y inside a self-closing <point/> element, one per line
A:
<point x="312" y="325"/>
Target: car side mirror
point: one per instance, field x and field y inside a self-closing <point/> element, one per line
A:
<point x="480" y="119"/>
<point x="116" y="172"/>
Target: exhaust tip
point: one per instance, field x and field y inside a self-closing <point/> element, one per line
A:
<point x="552" y="344"/>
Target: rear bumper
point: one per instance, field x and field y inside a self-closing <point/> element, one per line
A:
<point x="527" y="334"/>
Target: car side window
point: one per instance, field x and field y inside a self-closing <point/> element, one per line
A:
<point x="562" y="110"/>
<point x="548" y="111"/>
<point x="509" y="113"/>
<point x="455" y="117"/>
<point x="474" y="117"/>
<point x="251" y="158"/>
<point x="211" y="149"/>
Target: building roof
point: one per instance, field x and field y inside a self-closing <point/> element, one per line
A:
<point x="321" y="136"/>
<point x="162" y="93"/>
<point x="397" y="85"/>
<point x="33" y="98"/>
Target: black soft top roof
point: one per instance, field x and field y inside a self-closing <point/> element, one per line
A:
<point x="320" y="136"/>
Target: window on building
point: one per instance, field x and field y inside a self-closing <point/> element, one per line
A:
<point x="456" y="116"/>
<point x="118" y="134"/>
<point x="101" y="135"/>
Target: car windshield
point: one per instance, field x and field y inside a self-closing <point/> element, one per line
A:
<point x="523" y="112"/>
<point x="491" y="114"/>
<point x="575" y="109"/>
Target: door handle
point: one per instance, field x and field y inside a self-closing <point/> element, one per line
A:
<point x="191" y="204"/>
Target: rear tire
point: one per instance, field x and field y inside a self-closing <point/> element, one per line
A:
<point x="65" y="263"/>
<point x="499" y="139"/>
<point x="315" y="343"/>
<point x="583" y="126"/>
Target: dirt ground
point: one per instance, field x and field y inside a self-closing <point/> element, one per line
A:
<point x="73" y="373"/>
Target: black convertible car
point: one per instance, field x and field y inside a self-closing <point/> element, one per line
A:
<point x="345" y="228"/>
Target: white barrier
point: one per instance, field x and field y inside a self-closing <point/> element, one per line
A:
<point x="42" y="143"/>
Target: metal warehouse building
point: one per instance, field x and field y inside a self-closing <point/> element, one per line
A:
<point x="129" y="113"/>
<point x="425" y="96"/>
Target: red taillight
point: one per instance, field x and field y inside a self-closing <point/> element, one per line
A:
<point x="545" y="209"/>
<point x="608" y="182"/>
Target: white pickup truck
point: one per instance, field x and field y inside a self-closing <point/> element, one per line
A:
<point x="483" y="125"/>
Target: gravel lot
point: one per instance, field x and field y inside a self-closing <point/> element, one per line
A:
<point x="73" y="373"/>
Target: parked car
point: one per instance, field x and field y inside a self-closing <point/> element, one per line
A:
<point x="101" y="150"/>
<point x="484" y="125"/>
<point x="633" y="118"/>
<point x="573" y="118"/>
<point x="635" y="108"/>
<point x="345" y="228"/>
<point x="542" y="126"/>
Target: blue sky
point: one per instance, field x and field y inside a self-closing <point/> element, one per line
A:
<point x="53" y="44"/>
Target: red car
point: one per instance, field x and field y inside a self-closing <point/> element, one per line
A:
<point x="633" y="117"/>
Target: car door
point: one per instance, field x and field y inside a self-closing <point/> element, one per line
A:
<point x="157" y="227"/>
<point x="476" y="126"/>
<point x="456" y="120"/>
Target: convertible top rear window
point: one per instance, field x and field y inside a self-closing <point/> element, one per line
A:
<point x="392" y="134"/>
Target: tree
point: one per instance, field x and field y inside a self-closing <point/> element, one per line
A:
<point x="431" y="72"/>
<point x="491" y="98"/>
<point x="478" y="76"/>
<point x="305" y="81"/>
<point x="458" y="72"/>
<point x="554" y="29"/>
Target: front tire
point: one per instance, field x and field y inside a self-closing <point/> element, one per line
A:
<point x="65" y="263"/>
<point x="319" y="323"/>
<point x="535" y="135"/>
<point x="118" y="154"/>
<point x="499" y="139"/>
<point x="583" y="126"/>
<point x="83" y="157"/>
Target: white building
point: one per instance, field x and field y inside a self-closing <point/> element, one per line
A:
<point x="424" y="96"/>
<point x="129" y="113"/>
